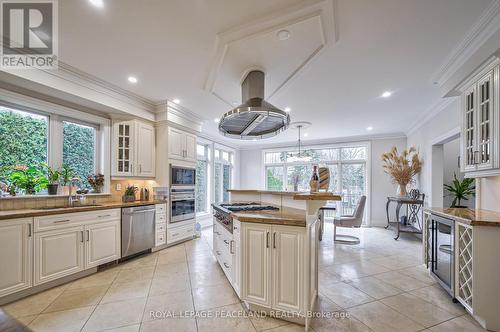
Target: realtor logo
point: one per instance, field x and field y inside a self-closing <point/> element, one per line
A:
<point x="29" y="34"/>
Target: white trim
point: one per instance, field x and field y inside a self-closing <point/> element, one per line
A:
<point x="429" y="114"/>
<point x="487" y="24"/>
<point x="446" y="137"/>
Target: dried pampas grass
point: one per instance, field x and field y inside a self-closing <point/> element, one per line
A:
<point x="402" y="167"/>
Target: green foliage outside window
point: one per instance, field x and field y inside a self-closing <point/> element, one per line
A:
<point x="79" y="150"/>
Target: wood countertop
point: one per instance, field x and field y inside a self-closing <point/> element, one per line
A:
<point x="27" y="213"/>
<point x="297" y="195"/>
<point x="473" y="217"/>
<point x="283" y="216"/>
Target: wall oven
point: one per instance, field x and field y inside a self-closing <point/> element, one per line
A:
<point x="182" y="204"/>
<point x="182" y="176"/>
<point x="441" y="251"/>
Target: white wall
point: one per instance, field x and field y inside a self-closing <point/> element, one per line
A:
<point x="490" y="193"/>
<point x="423" y="138"/>
<point x="252" y="175"/>
<point x="451" y="152"/>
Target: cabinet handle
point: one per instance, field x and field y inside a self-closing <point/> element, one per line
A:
<point x="267" y="239"/>
<point x="274" y="240"/>
<point x="226" y="241"/>
<point x="231" y="247"/>
<point x="88" y="235"/>
<point x="61" y="221"/>
<point x="140" y="168"/>
<point x="81" y="232"/>
<point x="104" y="216"/>
<point x="227" y="266"/>
<point x="218" y="253"/>
<point x="29" y="230"/>
<point x="131" y="168"/>
<point x="476" y="153"/>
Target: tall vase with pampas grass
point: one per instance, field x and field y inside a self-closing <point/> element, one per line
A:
<point x="402" y="168"/>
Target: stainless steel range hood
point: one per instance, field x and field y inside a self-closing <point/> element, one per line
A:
<point x="255" y="118"/>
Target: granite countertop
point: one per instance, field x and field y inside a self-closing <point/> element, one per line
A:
<point x="26" y="213"/>
<point x="473" y="217"/>
<point x="283" y="216"/>
<point x="297" y="195"/>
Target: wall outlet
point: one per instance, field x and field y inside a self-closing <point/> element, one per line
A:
<point x="118" y="187"/>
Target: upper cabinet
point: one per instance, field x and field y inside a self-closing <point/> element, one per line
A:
<point x="181" y="145"/>
<point x="133" y="150"/>
<point x="480" y="123"/>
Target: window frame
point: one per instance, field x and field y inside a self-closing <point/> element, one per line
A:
<point x="338" y="162"/>
<point x="56" y="115"/>
<point x="207" y="158"/>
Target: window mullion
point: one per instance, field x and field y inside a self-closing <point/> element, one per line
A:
<point x="55" y="141"/>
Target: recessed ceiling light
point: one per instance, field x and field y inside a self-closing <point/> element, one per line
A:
<point x="216" y="120"/>
<point x="177" y="101"/>
<point x="306" y="134"/>
<point x="370" y="128"/>
<point x="283" y="34"/>
<point x="386" y="94"/>
<point x="132" y="79"/>
<point x="97" y="3"/>
<point x="287" y="109"/>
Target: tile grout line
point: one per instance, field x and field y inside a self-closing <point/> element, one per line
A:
<point x="190" y="286"/>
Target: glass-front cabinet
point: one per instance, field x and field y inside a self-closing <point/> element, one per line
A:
<point x="480" y="122"/>
<point x="124" y="149"/>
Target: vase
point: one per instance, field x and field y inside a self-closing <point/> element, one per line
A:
<point x="52" y="188"/>
<point x="401" y="190"/>
<point x="97" y="190"/>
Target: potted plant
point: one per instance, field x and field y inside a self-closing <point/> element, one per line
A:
<point x="96" y="181"/>
<point x="67" y="173"/>
<point x="6" y="185"/>
<point x="129" y="194"/>
<point x="460" y="190"/>
<point x="402" y="167"/>
<point x="53" y="176"/>
<point x="28" y="178"/>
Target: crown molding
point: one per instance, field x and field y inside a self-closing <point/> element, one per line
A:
<point x="487" y="24"/>
<point x="429" y="114"/>
<point x="173" y="114"/>
<point x="347" y="139"/>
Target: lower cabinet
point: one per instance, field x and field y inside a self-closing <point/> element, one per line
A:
<point x="16" y="255"/>
<point x="103" y="243"/>
<point x="272" y="265"/>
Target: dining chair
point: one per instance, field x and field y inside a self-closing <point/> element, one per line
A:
<point x="349" y="221"/>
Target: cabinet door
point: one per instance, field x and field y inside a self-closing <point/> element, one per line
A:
<point x="485" y="128"/>
<point x="190" y="148"/>
<point x="102" y="243"/>
<point x="235" y="250"/>
<point x="176" y="142"/>
<point x="123" y="153"/>
<point x="469" y="138"/>
<point x="58" y="253"/>
<point x="256" y="263"/>
<point x="16" y="254"/>
<point x="145" y="148"/>
<point x="287" y="263"/>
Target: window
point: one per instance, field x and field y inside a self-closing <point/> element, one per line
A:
<point x="223" y="173"/>
<point x="284" y="170"/>
<point x="202" y="172"/>
<point x="23" y="138"/>
<point x="79" y="150"/>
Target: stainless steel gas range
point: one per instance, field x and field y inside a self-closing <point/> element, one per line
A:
<point x="222" y="212"/>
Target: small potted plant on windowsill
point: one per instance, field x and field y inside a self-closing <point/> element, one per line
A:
<point x="67" y="173"/>
<point x="53" y="176"/>
<point x="30" y="179"/>
<point x="96" y="181"/>
<point x="129" y="194"/>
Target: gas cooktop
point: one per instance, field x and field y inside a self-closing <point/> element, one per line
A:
<point x="243" y="207"/>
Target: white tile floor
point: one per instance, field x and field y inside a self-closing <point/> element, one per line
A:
<point x="378" y="285"/>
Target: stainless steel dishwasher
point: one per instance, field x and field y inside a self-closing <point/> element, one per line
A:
<point x="138" y="229"/>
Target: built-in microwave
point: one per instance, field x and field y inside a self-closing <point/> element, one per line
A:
<point x="182" y="176"/>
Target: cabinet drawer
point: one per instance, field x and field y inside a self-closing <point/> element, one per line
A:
<point x="59" y="221"/>
<point x="161" y="208"/>
<point x="160" y="238"/>
<point x="161" y="227"/>
<point x="161" y="218"/>
<point x="180" y="233"/>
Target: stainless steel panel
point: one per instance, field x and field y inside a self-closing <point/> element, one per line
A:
<point x="138" y="229"/>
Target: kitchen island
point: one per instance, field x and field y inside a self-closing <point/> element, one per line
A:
<point x="267" y="245"/>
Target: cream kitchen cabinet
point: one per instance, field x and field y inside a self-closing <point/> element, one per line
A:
<point x="133" y="149"/>
<point x="272" y="265"/>
<point x="181" y="145"/>
<point x="480" y="137"/>
<point x="69" y="243"/>
<point x="16" y="255"/>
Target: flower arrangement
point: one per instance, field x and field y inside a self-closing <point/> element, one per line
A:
<point x="402" y="167"/>
<point x="96" y="181"/>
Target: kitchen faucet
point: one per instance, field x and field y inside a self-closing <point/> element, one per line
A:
<point x="71" y="199"/>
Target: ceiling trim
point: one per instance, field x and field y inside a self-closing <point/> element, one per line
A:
<point x="325" y="9"/>
<point x="429" y="114"/>
<point x="487" y="24"/>
<point x="326" y="141"/>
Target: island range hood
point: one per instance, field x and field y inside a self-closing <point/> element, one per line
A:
<point x="255" y="118"/>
